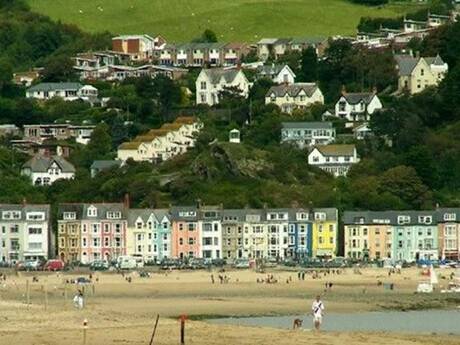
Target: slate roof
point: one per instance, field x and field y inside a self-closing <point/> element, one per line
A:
<point x="130" y="145"/>
<point x="81" y="210"/>
<point x="336" y="150"/>
<point x="437" y="61"/>
<point x="307" y="125"/>
<point x="24" y="208"/>
<point x="293" y="89"/>
<point x="357" y="97"/>
<point x="406" y="64"/>
<point x="55" y="87"/>
<point x="215" y="74"/>
<point x="176" y="210"/>
<point x="42" y="164"/>
<point x="387" y="217"/>
<point x="308" y="40"/>
<point x="268" y="41"/>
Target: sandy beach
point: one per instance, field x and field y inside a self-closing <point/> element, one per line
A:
<point x="119" y="312"/>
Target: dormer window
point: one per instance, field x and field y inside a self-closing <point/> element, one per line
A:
<point x="425" y="219"/>
<point x="69" y="215"/>
<point x="92" y="211"/>
<point x="35" y="216"/>
<point x="450" y="216"/>
<point x="403" y="219"/>
<point x="113" y="215"/>
<point x="320" y="216"/>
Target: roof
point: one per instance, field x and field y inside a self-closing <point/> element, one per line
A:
<point x="171" y="126"/>
<point x="336" y="150"/>
<point x="55" y="87"/>
<point x="134" y="37"/>
<point x="216" y="74"/>
<point x="24" y="208"/>
<point x="271" y="69"/>
<point x="267" y="41"/>
<point x="184" y="213"/>
<point x="293" y="89"/>
<point x="185" y="120"/>
<point x="283" y="40"/>
<point x="81" y="210"/>
<point x="42" y="164"/>
<point x="105" y="164"/>
<point x="308" y="40"/>
<point x="358" y="97"/>
<point x="307" y="125"/>
<point x="387" y="217"/>
<point x="129" y="145"/>
<point x="436" y="61"/>
<point x="235" y="45"/>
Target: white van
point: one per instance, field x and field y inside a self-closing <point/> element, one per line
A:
<point x="126" y="263"/>
<point x="139" y="260"/>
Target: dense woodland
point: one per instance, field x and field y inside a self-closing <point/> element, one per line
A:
<point x="421" y="168"/>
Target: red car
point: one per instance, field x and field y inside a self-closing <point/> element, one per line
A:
<point x="54" y="265"/>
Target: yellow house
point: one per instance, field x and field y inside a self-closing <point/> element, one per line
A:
<point x="417" y="73"/>
<point x="324" y="232"/>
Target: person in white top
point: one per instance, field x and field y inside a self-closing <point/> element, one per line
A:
<point x="317" y="309"/>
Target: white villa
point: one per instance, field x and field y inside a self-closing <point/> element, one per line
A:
<point x="305" y="134"/>
<point x="334" y="159"/>
<point x="66" y="91"/>
<point x="357" y="106"/>
<point x="294" y="96"/>
<point x="279" y="74"/>
<point x="211" y="82"/>
<point x="44" y="171"/>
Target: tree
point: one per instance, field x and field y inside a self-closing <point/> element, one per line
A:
<point x="309" y="65"/>
<point x="59" y="68"/>
<point x="6" y="74"/>
<point x="208" y="36"/>
<point x="403" y="182"/>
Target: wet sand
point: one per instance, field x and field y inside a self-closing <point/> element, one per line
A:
<point x="123" y="313"/>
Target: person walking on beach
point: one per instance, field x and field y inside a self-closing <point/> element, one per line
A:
<point x="317" y="309"/>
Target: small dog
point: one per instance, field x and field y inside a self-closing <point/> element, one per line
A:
<point x="297" y="323"/>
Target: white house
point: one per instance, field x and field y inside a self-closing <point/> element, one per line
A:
<point x="28" y="234"/>
<point x="334" y="159"/>
<point x="357" y="106"/>
<point x="294" y="96"/>
<point x="304" y="134"/>
<point x="234" y="136"/>
<point x="362" y="131"/>
<point x="279" y="74"/>
<point x="211" y="82"/>
<point x="44" y="171"/>
<point x="66" y="91"/>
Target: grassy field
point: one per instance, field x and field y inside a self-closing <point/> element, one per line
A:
<point x="182" y="20"/>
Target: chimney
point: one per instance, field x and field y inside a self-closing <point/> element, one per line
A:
<point x="417" y="54"/>
<point x="24" y="202"/>
<point x="344" y="90"/>
<point x="126" y="201"/>
<point x="198" y="203"/>
<point x="374" y="90"/>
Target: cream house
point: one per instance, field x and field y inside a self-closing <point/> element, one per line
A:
<point x="357" y="106"/>
<point x="334" y="159"/>
<point x="417" y="73"/>
<point x="294" y="96"/>
<point x="161" y="144"/>
<point x="211" y="82"/>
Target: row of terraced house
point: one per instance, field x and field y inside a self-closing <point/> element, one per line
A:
<point x="105" y="231"/>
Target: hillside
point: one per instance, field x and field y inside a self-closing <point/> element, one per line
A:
<point x="182" y="20"/>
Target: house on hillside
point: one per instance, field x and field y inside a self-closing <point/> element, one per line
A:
<point x="211" y="82"/>
<point x="417" y="73"/>
<point x="357" y="106"/>
<point x="26" y="78"/>
<point x="294" y="96"/>
<point x="301" y="43"/>
<point x="305" y="134"/>
<point x="44" y="171"/>
<point x="66" y="91"/>
<point x="58" y="131"/>
<point x="139" y="47"/>
<point x="279" y="74"/>
<point x="334" y="159"/>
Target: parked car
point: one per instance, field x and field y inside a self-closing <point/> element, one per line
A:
<point x="33" y="265"/>
<point x="242" y="263"/>
<point x="99" y="265"/>
<point x="53" y="265"/>
<point x="83" y="281"/>
<point x="126" y="263"/>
